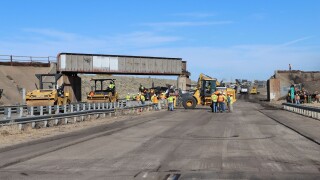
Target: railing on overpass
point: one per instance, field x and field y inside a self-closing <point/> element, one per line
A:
<point x="64" y="114"/>
<point x="313" y="112"/>
<point x="26" y="60"/>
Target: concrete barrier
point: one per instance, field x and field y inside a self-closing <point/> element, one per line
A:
<point x="308" y="111"/>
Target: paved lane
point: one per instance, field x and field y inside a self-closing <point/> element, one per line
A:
<point x="194" y="144"/>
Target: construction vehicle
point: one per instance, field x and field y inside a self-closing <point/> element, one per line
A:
<point x="101" y="94"/>
<point x="48" y="94"/>
<point x="243" y="89"/>
<point x="206" y="86"/>
<point x="254" y="90"/>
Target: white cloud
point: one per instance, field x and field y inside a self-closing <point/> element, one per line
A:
<point x="238" y="61"/>
<point x="296" y="41"/>
<point x="186" y="23"/>
<point x="250" y="61"/>
<point x="50" y="42"/>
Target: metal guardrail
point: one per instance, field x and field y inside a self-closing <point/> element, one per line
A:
<point x="313" y="112"/>
<point x="27" y="59"/>
<point x="57" y="113"/>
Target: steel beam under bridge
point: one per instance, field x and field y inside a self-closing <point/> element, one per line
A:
<point x="118" y="64"/>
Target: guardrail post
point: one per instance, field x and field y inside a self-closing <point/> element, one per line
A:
<point x="7" y="112"/>
<point x="71" y="110"/>
<point x="65" y="111"/>
<point x="49" y="109"/>
<point x="33" y="125"/>
<point x="107" y="105"/>
<point x="45" y="123"/>
<point x="110" y="107"/>
<point x="31" y="110"/>
<point x="83" y="107"/>
<point x="20" y="126"/>
<point x="57" y="110"/>
<point x="20" y="111"/>
<point x="41" y="110"/>
<point x="89" y="108"/>
<point x="121" y="104"/>
<point x="94" y="106"/>
<point x="78" y="107"/>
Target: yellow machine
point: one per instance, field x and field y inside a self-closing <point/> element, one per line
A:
<point x="254" y="91"/>
<point x="99" y="94"/>
<point x="50" y="95"/>
<point x="206" y="86"/>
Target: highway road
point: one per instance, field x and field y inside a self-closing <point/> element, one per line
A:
<point x="183" y="144"/>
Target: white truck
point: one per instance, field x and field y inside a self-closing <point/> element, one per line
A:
<point x="244" y="90"/>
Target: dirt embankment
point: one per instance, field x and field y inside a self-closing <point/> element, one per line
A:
<point x="14" y="78"/>
<point x="124" y="84"/>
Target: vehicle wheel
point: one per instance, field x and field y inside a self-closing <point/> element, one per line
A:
<point x="189" y="103"/>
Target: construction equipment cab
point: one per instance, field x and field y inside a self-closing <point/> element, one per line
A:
<point x="206" y="86"/>
<point x="104" y="90"/>
<point x="49" y="93"/>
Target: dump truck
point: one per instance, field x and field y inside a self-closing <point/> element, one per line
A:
<point x="48" y="93"/>
<point x="206" y="86"/>
<point x="101" y="92"/>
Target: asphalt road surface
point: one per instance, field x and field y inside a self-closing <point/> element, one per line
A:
<point x="183" y="144"/>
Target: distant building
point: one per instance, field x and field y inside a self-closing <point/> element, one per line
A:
<point x="279" y="84"/>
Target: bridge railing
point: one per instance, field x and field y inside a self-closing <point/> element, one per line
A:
<point x="312" y="112"/>
<point x="12" y="60"/>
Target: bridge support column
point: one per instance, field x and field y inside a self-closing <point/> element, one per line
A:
<point x="184" y="83"/>
<point x="72" y="84"/>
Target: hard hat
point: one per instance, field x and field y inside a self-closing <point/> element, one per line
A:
<point x="217" y="92"/>
<point x="154" y="95"/>
<point x="231" y="95"/>
<point x="111" y="82"/>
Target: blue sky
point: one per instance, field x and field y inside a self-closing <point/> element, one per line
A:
<point x="225" y="39"/>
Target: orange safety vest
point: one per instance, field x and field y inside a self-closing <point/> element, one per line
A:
<point x="154" y="99"/>
<point x="220" y="98"/>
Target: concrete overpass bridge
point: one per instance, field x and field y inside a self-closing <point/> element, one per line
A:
<point x="71" y="64"/>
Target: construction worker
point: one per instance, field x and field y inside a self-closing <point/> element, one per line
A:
<point x="138" y="97"/>
<point x="155" y="101"/>
<point x="214" y="98"/>
<point x="220" y="101"/>
<point x="142" y="98"/>
<point x="128" y="97"/>
<point x="170" y="102"/>
<point x="225" y="100"/>
<point x="112" y="87"/>
<point x="162" y="99"/>
<point x="133" y="97"/>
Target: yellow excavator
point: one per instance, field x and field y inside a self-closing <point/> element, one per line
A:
<point x="100" y="94"/>
<point x="48" y="94"/>
<point x="206" y="86"/>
